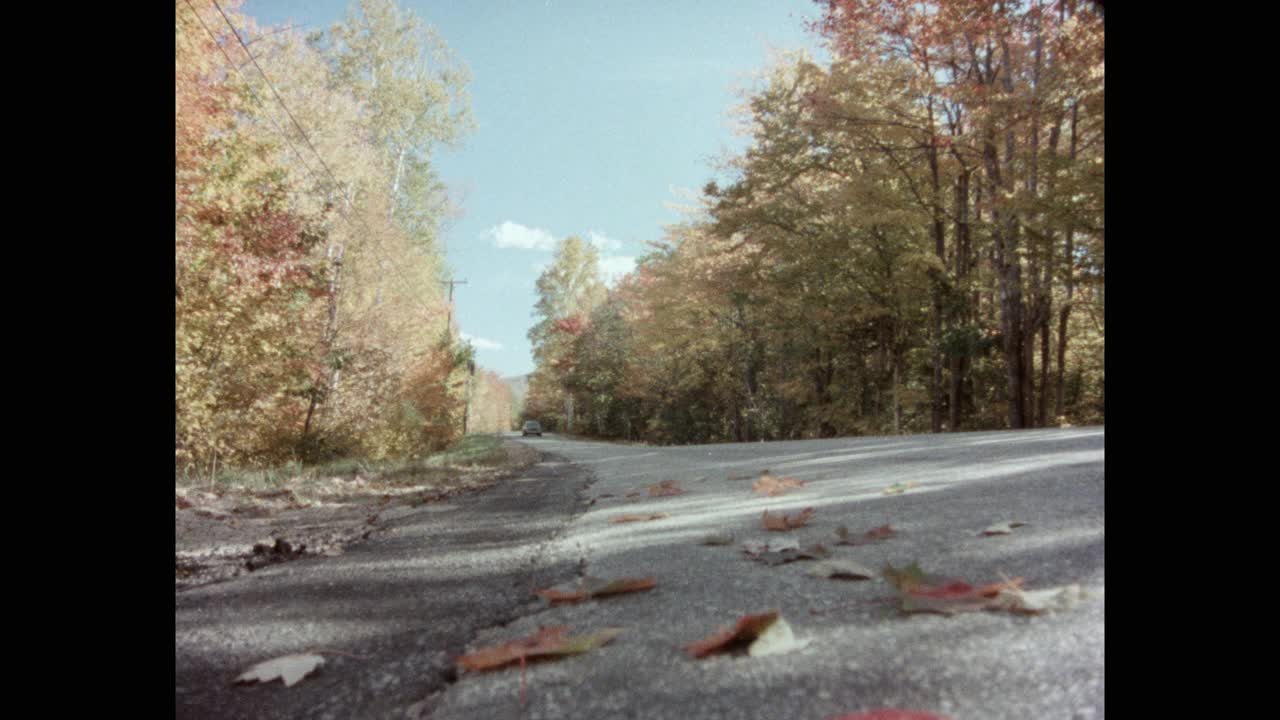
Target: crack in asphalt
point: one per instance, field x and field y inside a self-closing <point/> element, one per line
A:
<point x="449" y="677"/>
<point x="411" y="598"/>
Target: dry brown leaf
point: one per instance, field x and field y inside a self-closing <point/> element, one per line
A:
<point x="1031" y="602"/>
<point x="666" y="487"/>
<point x="637" y="518"/>
<point x="547" y="642"/>
<point x="921" y="593"/>
<point x="776" y="639"/>
<point x="747" y="629"/>
<point x="595" y="588"/>
<point x="873" y="535"/>
<point x="774" y="486"/>
<point x="623" y="585"/>
<point x="558" y="595"/>
<point x="782" y="522"/>
<point x="289" y="668"/>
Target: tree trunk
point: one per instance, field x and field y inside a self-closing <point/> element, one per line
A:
<point x="958" y="360"/>
<point x="1069" y="261"/>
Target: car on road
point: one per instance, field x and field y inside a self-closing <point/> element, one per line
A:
<point x="531" y="428"/>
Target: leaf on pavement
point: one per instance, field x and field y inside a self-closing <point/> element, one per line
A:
<point x="773" y="486"/>
<point x="1003" y="528"/>
<point x="751" y="631"/>
<point x="873" y="535"/>
<point x="757" y="547"/>
<point x="840" y="569"/>
<point x="561" y="595"/>
<point x="666" y="487"/>
<point x="637" y="518"/>
<point x="893" y="714"/>
<point x="785" y="555"/>
<point x="623" y="585"/>
<point x="922" y="593"/>
<point x="290" y="669"/>
<point x="782" y="522"/>
<point x="717" y="539"/>
<point x="594" y="588"/>
<point x="899" y="488"/>
<point x="547" y="642"/>
<point x="777" y="639"/>
<point x="1031" y="602"/>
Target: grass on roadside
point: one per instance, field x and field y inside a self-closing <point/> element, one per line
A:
<point x="471" y="454"/>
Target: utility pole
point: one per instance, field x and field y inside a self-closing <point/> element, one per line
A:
<point x="449" y="322"/>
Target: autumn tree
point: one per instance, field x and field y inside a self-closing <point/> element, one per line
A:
<point x="310" y="322"/>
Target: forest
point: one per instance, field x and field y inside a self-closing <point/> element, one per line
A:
<point x="311" y="320"/>
<point x="913" y="241"/>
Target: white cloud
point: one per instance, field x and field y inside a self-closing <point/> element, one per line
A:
<point x="515" y="235"/>
<point x="603" y="242"/>
<point x="481" y="343"/>
<point x="614" y="267"/>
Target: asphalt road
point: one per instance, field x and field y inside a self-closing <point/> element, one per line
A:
<point x="460" y="577"/>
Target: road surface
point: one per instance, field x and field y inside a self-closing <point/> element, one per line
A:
<point x="392" y="614"/>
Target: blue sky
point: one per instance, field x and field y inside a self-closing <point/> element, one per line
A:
<point x="592" y="117"/>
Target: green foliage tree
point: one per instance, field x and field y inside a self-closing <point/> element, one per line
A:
<point x="568" y="290"/>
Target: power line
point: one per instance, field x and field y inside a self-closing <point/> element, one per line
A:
<point x="279" y="99"/>
<point x="249" y="86"/>
<point x="371" y="236"/>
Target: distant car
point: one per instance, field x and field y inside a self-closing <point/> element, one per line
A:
<point x="531" y="428"/>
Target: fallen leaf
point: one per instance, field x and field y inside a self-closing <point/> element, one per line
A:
<point x="898" y="488"/>
<point x="776" y="639"/>
<point x="893" y="714"/>
<point x="843" y="569"/>
<point x="922" y="593"/>
<point x="637" y="518"/>
<point x="1014" y="599"/>
<point x="557" y="595"/>
<point x="873" y="535"/>
<point x="717" y="539"/>
<point x="590" y="587"/>
<point x="756" y="547"/>
<point x="290" y="669"/>
<point x="747" y="629"/>
<point x="786" y="555"/>
<point x="623" y="585"/>
<point x="786" y="522"/>
<point x="1003" y="528"/>
<point x="772" y="486"/>
<point x="594" y="588"/>
<point x="547" y="642"/>
<point x="666" y="487"/>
